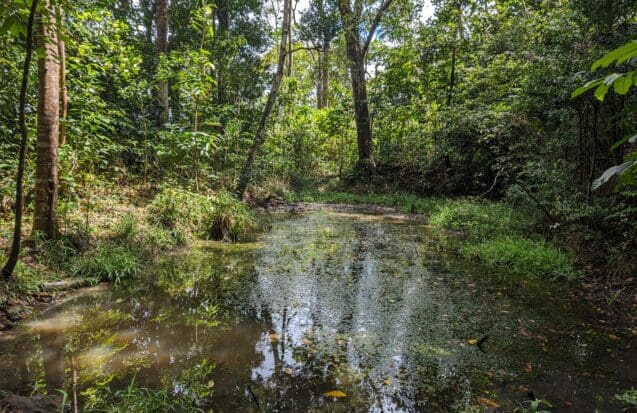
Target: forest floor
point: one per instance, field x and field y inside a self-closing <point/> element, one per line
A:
<point x="108" y="237"/>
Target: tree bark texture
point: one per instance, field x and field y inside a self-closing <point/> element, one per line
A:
<point x="161" y="43"/>
<point x="46" y="174"/>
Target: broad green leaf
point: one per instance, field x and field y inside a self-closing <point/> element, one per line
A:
<point x="628" y="49"/>
<point x="600" y="92"/>
<point x="586" y="87"/>
<point x="623" y="84"/>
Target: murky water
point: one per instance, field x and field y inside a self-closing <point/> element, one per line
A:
<point x="327" y="302"/>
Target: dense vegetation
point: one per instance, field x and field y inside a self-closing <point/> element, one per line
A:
<point x="135" y="127"/>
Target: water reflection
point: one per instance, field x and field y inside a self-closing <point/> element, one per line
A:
<point x="323" y="302"/>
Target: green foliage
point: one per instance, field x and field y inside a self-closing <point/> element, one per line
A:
<point x="522" y="256"/>
<point x="136" y="399"/>
<point x="107" y="262"/>
<point x="621" y="83"/>
<point x="629" y="397"/>
<point x="479" y="219"/>
<point x="218" y="216"/>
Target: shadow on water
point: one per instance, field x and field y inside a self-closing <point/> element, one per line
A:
<point x="326" y="302"/>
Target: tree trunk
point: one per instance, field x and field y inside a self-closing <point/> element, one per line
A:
<point x="161" y="22"/>
<point x="64" y="101"/>
<point x="223" y="34"/>
<point x="246" y="173"/>
<point x="356" y="53"/>
<point x="323" y="77"/>
<point x="14" y="253"/>
<point x="46" y="174"/>
<point x="366" y="164"/>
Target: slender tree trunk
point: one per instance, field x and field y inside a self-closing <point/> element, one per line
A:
<point x="14" y="253"/>
<point x="323" y="77"/>
<point x="246" y="173"/>
<point x="46" y="174"/>
<point x="64" y="101"/>
<point x="223" y="34"/>
<point x="366" y="164"/>
<point x="356" y="54"/>
<point x="161" y="43"/>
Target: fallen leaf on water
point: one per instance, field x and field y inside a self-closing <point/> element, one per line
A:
<point x="613" y="337"/>
<point x="289" y="371"/>
<point x="307" y="342"/>
<point x="487" y="402"/>
<point x="388" y="381"/>
<point x="335" y="393"/>
<point x="274" y="337"/>
<point x="472" y="341"/>
<point x="526" y="333"/>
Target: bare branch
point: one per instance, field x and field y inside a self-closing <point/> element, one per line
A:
<point x="379" y="15"/>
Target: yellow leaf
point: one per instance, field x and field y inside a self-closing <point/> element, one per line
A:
<point x="473" y="341"/>
<point x="307" y="342"/>
<point x="335" y="393"/>
<point x="274" y="337"/>
<point x="487" y="402"/>
<point x="289" y="371"/>
<point x="388" y="381"/>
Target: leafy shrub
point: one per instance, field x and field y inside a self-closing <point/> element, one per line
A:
<point x="523" y="256"/>
<point x="108" y="262"/>
<point x="219" y="216"/>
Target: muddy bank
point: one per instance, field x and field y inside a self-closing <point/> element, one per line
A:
<point x="13" y="310"/>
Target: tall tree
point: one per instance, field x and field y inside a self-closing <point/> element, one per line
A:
<point x="14" y="253"/>
<point x="357" y="47"/>
<point x="46" y="174"/>
<point x="246" y="172"/>
<point x="64" y="100"/>
<point x="161" y="44"/>
<point x="319" y="25"/>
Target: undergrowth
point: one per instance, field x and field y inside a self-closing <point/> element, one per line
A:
<point x="219" y="216"/>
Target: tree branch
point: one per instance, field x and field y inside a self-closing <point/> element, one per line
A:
<point x="379" y="15"/>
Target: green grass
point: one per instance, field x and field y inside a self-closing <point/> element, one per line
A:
<point x="495" y="232"/>
<point x="522" y="256"/>
<point x="218" y="216"/>
<point x="108" y="262"/>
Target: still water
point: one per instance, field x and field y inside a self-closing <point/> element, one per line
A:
<point x="369" y="308"/>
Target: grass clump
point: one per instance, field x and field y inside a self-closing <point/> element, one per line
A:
<point x="522" y="256"/>
<point x="137" y="399"/>
<point x="219" y="216"/>
<point x="108" y="262"/>
<point x="479" y="219"/>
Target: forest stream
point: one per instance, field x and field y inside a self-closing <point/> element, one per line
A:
<point x="327" y="311"/>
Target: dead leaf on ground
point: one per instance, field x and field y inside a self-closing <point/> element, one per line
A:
<point x="335" y="393"/>
<point x="487" y="402"/>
